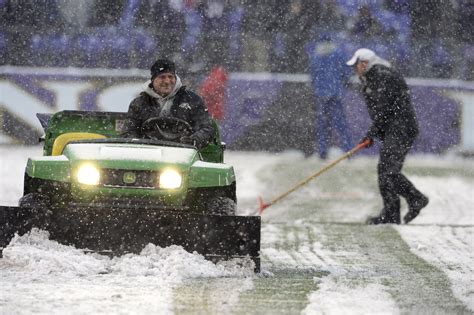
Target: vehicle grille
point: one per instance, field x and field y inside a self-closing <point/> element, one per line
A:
<point x="143" y="179"/>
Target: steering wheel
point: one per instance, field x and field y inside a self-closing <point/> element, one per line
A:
<point x="166" y="128"/>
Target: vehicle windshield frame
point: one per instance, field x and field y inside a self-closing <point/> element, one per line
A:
<point x="136" y="141"/>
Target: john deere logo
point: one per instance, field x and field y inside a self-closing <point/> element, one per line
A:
<point x="129" y="177"/>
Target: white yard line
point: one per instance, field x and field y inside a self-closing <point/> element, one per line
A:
<point x="337" y="293"/>
<point x="451" y="249"/>
<point x="337" y="298"/>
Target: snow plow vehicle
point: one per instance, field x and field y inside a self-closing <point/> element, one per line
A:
<point x="99" y="191"/>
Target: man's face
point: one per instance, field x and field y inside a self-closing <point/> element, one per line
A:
<point x="164" y="83"/>
<point x="360" y="67"/>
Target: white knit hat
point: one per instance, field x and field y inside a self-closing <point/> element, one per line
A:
<point x="363" y="54"/>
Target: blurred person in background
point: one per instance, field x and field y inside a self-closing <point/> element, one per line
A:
<point x="165" y="20"/>
<point x="366" y="25"/>
<point x="213" y="41"/>
<point x="212" y="90"/>
<point x="256" y="35"/>
<point x="432" y="30"/>
<point x="106" y="12"/>
<point x="328" y="78"/>
<point x="465" y="31"/>
<point x="394" y="123"/>
<point x="330" y="18"/>
<point x="296" y="19"/>
<point x="76" y="13"/>
<point x="165" y="96"/>
<point x="21" y="20"/>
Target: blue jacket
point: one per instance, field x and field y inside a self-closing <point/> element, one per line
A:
<point x="327" y="67"/>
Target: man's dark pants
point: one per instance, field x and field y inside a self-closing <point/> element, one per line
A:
<point x="392" y="183"/>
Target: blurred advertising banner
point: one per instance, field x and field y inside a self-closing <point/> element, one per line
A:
<point x="262" y="111"/>
<point x="27" y="91"/>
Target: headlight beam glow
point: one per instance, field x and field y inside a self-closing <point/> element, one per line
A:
<point x="88" y="174"/>
<point x="170" y="179"/>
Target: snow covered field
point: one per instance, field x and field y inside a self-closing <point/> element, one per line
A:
<point x="317" y="255"/>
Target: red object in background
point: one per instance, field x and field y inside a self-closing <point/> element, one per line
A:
<point x="212" y="90"/>
<point x="189" y="3"/>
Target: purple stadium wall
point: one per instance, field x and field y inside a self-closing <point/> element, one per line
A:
<point x="262" y="111"/>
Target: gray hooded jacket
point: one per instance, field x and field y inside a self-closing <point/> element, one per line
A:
<point x="181" y="103"/>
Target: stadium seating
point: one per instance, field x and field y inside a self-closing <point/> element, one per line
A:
<point x="144" y="48"/>
<point x="52" y="50"/>
<point x="88" y="50"/>
<point x="125" y="44"/>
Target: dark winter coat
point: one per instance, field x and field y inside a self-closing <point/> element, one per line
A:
<point x="388" y="102"/>
<point x="186" y="105"/>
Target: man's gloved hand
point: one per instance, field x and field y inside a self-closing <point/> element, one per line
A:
<point x="187" y="140"/>
<point x="368" y="140"/>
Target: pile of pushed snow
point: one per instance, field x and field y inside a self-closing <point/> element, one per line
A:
<point x="175" y="263"/>
<point x="34" y="252"/>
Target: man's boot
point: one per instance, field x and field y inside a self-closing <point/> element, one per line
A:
<point x="415" y="204"/>
<point x="383" y="218"/>
<point x="389" y="214"/>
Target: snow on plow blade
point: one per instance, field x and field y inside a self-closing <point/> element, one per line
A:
<point x="122" y="231"/>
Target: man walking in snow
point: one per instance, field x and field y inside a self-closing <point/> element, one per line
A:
<point x="165" y="96"/>
<point x="394" y="123"/>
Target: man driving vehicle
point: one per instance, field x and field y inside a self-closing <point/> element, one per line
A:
<point x="164" y="96"/>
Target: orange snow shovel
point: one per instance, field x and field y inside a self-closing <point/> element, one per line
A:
<point x="262" y="205"/>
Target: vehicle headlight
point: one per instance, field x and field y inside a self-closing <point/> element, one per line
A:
<point x="88" y="174"/>
<point x="170" y="179"/>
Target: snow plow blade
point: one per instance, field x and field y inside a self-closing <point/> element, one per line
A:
<point x="121" y="231"/>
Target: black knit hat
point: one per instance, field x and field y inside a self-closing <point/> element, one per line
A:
<point x="162" y="66"/>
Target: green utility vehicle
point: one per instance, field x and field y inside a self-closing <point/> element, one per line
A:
<point x="99" y="191"/>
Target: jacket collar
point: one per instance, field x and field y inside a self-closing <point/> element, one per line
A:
<point x="148" y="89"/>
<point x="378" y="61"/>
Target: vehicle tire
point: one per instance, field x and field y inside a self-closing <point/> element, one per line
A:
<point x="221" y="206"/>
<point x="39" y="209"/>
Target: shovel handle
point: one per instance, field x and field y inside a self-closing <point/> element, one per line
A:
<point x="358" y="147"/>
